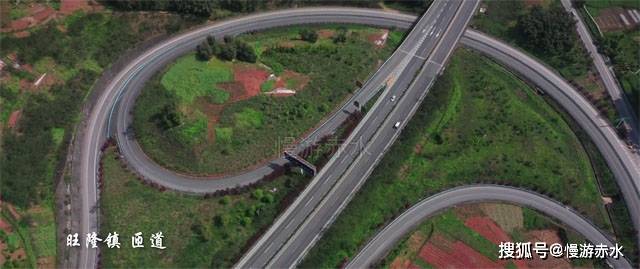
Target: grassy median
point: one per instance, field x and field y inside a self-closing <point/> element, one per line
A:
<point x="479" y="124"/>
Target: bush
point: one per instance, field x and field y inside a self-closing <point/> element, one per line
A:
<point x="308" y="35"/>
<point x="204" y="51"/>
<point x="341" y="36"/>
<point x="227" y="52"/>
<point x="245" y="53"/>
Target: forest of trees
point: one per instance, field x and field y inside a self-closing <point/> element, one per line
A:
<point x="207" y="7"/>
<point x="227" y="50"/>
<point x="546" y="30"/>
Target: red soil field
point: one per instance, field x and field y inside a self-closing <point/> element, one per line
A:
<point x="251" y="78"/>
<point x="442" y="253"/>
<point x="69" y="6"/>
<point x="488" y="229"/>
<point x="13" y="118"/>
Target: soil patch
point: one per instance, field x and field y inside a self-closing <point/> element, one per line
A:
<point x="616" y="19"/>
<point x="550" y="237"/>
<point x="213" y="112"/>
<point x="379" y="39"/>
<point x="250" y="78"/>
<point x="325" y="33"/>
<point x="13" y="118"/>
<point x="488" y="229"/>
<point x="69" y="6"/>
<point x="442" y="253"/>
<point x="235" y="89"/>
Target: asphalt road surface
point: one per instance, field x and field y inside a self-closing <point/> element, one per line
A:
<point x="390" y="235"/>
<point x="99" y="123"/>
<point x="434" y="38"/>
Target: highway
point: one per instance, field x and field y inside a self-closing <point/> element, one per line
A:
<point x="624" y="108"/>
<point x="378" y="247"/>
<point x="300" y="226"/>
<point x="99" y="124"/>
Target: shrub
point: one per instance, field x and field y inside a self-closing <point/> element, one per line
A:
<point x="309" y="35"/>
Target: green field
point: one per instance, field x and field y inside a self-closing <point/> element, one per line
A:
<point x="327" y="70"/>
<point x="556" y="43"/>
<point x="479" y="124"/>
<point x="199" y="232"/>
<point x="189" y="78"/>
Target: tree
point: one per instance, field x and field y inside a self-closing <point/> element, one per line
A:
<point x="547" y="30"/>
<point x="203" y="51"/>
<point x="341" y="36"/>
<point x="211" y="40"/>
<point x="245" y="53"/>
<point x="166" y="118"/>
<point x="309" y="35"/>
<point x="228" y="39"/>
<point x="227" y="52"/>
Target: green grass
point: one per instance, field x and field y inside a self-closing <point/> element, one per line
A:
<point x="256" y="124"/>
<point x="57" y="134"/>
<point x="267" y="85"/>
<point x="189" y="78"/>
<point x="17" y="12"/>
<point x="249" y="118"/>
<point x="44" y="238"/>
<point x="194" y="131"/>
<point x="573" y="64"/>
<point x="224" y="135"/>
<point x="198" y="232"/>
<point x="479" y="124"/>
<point x="395" y="38"/>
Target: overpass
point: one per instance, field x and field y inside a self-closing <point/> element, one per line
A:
<point x="107" y="110"/>
<point x="427" y="46"/>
